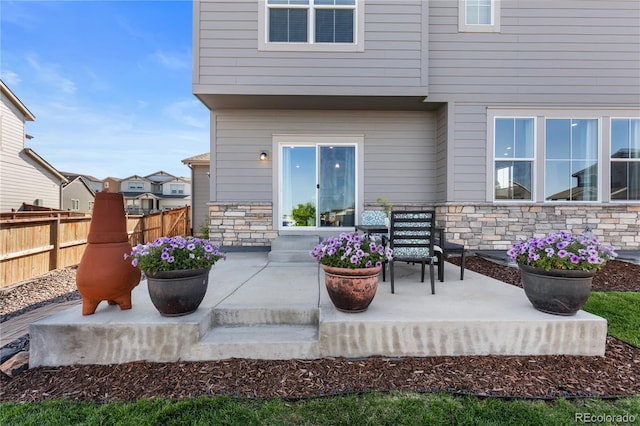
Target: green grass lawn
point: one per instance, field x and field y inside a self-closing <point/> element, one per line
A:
<point x="622" y="311"/>
<point x="368" y="409"/>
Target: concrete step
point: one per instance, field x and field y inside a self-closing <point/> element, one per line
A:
<point x="295" y="242"/>
<point x="293" y="248"/>
<point x="258" y="342"/>
<point x="290" y="256"/>
<point x="285" y="315"/>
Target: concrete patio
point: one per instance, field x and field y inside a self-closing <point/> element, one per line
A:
<point x="256" y="308"/>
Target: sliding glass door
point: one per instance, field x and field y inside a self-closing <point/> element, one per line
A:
<point x="318" y="187"/>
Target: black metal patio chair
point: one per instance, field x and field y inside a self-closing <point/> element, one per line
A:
<point x="411" y="237"/>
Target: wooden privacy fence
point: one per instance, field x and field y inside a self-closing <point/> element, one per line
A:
<point x="169" y="223"/>
<point x="34" y="244"/>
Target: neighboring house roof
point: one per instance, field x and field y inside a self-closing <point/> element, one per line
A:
<point x="167" y="196"/>
<point x="200" y="160"/>
<point x="136" y="177"/>
<point x="45" y="165"/>
<point x="160" y="176"/>
<point x="28" y="116"/>
<point x="72" y="176"/>
<point x="83" y="180"/>
<point x="138" y="195"/>
<point x="178" y="179"/>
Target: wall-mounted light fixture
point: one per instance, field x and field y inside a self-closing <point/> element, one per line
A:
<point x="264" y="156"/>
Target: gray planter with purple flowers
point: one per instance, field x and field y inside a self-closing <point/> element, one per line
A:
<point x="558" y="292"/>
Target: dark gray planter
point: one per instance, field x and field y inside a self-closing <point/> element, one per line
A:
<point x="176" y="293"/>
<point x="558" y="292"/>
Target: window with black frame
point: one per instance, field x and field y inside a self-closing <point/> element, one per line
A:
<point x="311" y="21"/>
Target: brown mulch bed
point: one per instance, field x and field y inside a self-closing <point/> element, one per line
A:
<point x="615" y="374"/>
<point x="615" y="276"/>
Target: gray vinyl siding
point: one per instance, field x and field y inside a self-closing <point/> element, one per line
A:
<point x="554" y="52"/>
<point x="199" y="197"/>
<point x="399" y="151"/>
<point x="78" y="191"/>
<point x="549" y="53"/>
<point x="21" y="180"/>
<point x="227" y="59"/>
<point x="442" y="142"/>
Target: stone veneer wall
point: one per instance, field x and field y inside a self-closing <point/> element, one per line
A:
<point x="496" y="227"/>
<point x="241" y="224"/>
<point x="478" y="226"/>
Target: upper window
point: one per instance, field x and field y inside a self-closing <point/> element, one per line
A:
<point x="625" y="159"/>
<point x="135" y="185"/>
<point x="75" y="204"/>
<point x="571" y="159"/>
<point x="479" y="15"/>
<point x="513" y="155"/>
<point x="177" y="188"/>
<point x="312" y="25"/>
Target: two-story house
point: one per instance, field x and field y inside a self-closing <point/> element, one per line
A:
<point x="154" y="192"/>
<point x="25" y="177"/>
<point x="78" y="193"/>
<point x="485" y="110"/>
<point x="199" y="165"/>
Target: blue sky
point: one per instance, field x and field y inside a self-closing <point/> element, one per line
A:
<point x="109" y="83"/>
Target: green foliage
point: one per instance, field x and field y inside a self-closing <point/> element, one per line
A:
<point x="174" y="253"/>
<point x="385" y="205"/>
<point x="622" y="311"/>
<point x="204" y="229"/>
<point x="396" y="408"/>
<point x="304" y="214"/>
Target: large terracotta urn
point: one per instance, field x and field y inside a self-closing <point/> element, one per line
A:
<point x="104" y="273"/>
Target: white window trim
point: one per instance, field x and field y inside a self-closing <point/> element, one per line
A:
<point x="607" y="131"/>
<point x="280" y="140"/>
<point x="492" y="188"/>
<point x="603" y="116"/>
<point x="356" y="46"/>
<point x="463" y="27"/>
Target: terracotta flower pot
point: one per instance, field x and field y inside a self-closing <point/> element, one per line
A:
<point x="104" y="273"/>
<point x="351" y="290"/>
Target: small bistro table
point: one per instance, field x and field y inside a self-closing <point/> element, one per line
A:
<point x="373" y="229"/>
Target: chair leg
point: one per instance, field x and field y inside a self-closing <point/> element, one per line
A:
<point x="391" y="273"/>
<point x="433" y="284"/>
<point x="440" y="257"/>
<point x="422" y="276"/>
<point x="462" y="266"/>
<point x="384" y="271"/>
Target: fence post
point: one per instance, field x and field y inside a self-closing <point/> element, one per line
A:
<point x="55" y="234"/>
